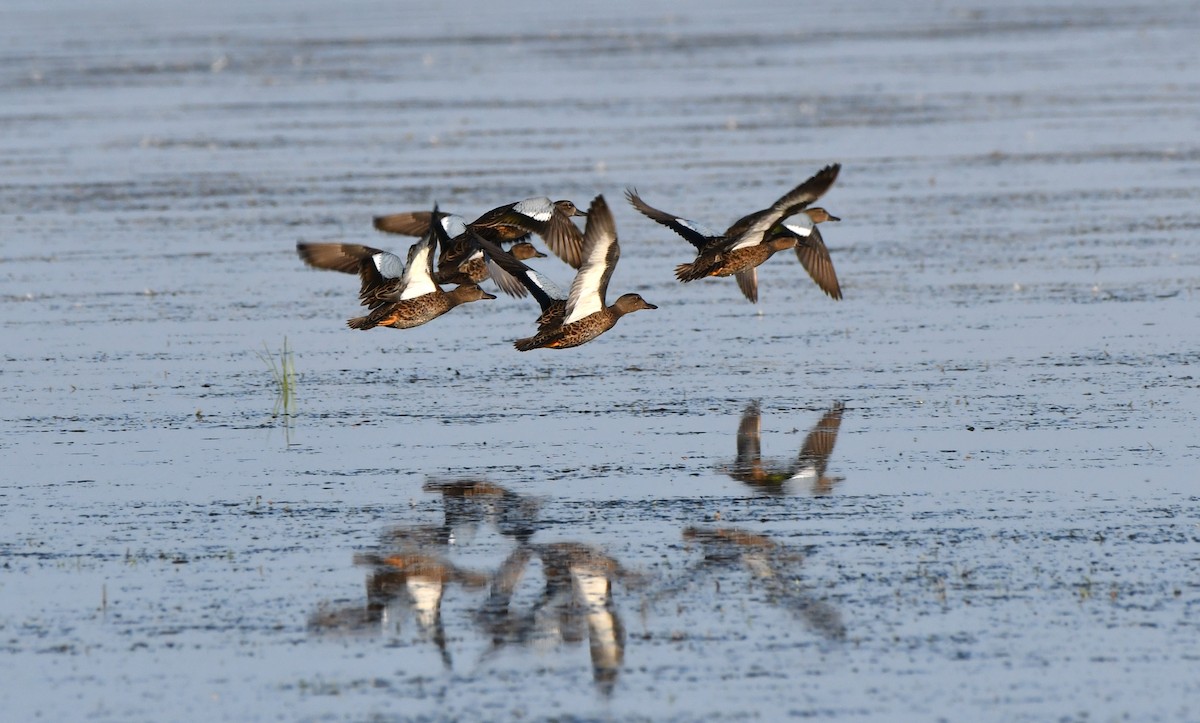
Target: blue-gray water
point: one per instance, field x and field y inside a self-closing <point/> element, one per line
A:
<point x="1007" y="529"/>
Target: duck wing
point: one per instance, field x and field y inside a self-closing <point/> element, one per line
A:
<point x="695" y="233"/>
<point x="747" y="281"/>
<point x="545" y="291"/>
<point x="814" y="257"/>
<point x="749" y="440"/>
<point x="336" y="256"/>
<point x="418" y="274"/>
<point x="379" y="271"/>
<point x="752" y="228"/>
<point x="543" y="217"/>
<point x="818" y="445"/>
<point x="407" y="223"/>
<point x="601" y="252"/>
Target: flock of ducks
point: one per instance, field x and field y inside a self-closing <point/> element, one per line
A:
<point x="404" y="293"/>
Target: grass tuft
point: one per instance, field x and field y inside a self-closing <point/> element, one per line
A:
<point x="283" y="372"/>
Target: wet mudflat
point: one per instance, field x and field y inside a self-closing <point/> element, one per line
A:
<point x="966" y="491"/>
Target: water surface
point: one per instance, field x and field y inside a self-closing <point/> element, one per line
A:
<point x="1005" y="529"/>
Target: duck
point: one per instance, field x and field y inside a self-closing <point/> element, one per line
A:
<point x="460" y="261"/>
<point x="510" y="223"/>
<point x="575" y="318"/>
<point x="774" y="568"/>
<point x="398" y="294"/>
<point x="756" y="237"/>
<point x="810" y="464"/>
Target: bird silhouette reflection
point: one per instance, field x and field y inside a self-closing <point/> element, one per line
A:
<point x="807" y="469"/>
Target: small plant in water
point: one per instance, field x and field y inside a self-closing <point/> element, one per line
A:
<point x="283" y="371"/>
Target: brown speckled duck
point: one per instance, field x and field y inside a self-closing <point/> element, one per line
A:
<point x="754" y="238"/>
<point x="399" y="295"/>
<point x="585" y="315"/>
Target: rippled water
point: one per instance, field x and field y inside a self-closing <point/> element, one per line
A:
<point x="445" y="528"/>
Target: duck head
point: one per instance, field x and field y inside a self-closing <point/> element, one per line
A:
<point x="630" y="303"/>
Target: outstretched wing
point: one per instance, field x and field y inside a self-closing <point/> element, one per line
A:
<point x="818" y="445"/>
<point x="379" y="271"/>
<point x="407" y="223"/>
<point x="814" y="257"/>
<point x="542" y="216"/>
<point x="600" y="254"/>
<point x="542" y="288"/>
<point x="418" y="275"/>
<point x="802" y="196"/>
<point x="693" y="232"/>
<point x="749" y="440"/>
<point x="335" y="256"/>
<point x="747" y="281"/>
<point x="752" y="228"/>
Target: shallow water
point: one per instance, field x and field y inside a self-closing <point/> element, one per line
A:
<point x="1007" y="528"/>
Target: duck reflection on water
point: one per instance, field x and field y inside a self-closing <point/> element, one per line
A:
<point x="576" y="602"/>
<point x="408" y="579"/>
<point x="412" y="582"/>
<point x="410" y="574"/>
<point x="410" y="570"/>
<point x="469" y="504"/>
<point x="772" y="565"/>
<point x="808" y="467"/>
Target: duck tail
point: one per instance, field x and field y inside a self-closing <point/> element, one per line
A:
<point x="526" y="344"/>
<point x="362" y="322"/>
<point x="688" y="272"/>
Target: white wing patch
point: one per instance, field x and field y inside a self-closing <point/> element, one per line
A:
<point x="697" y="227"/>
<point x="803" y="227"/>
<point x="807" y="473"/>
<point x="584" y="299"/>
<point x="417" y="281"/>
<point x="427" y="596"/>
<point x="553" y="290"/>
<point x="390" y="266"/>
<point x="539" y="209"/>
<point x="454" y="226"/>
<point x="585" y="294"/>
<point x="748" y="240"/>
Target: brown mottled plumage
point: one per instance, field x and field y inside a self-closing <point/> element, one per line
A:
<point x="718" y="262"/>
<point x="583" y="315"/>
<point x="419" y="310"/>
<point x="754" y="238"/>
<point x="584" y="330"/>
<point x="399" y="294"/>
<point x="810" y="250"/>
